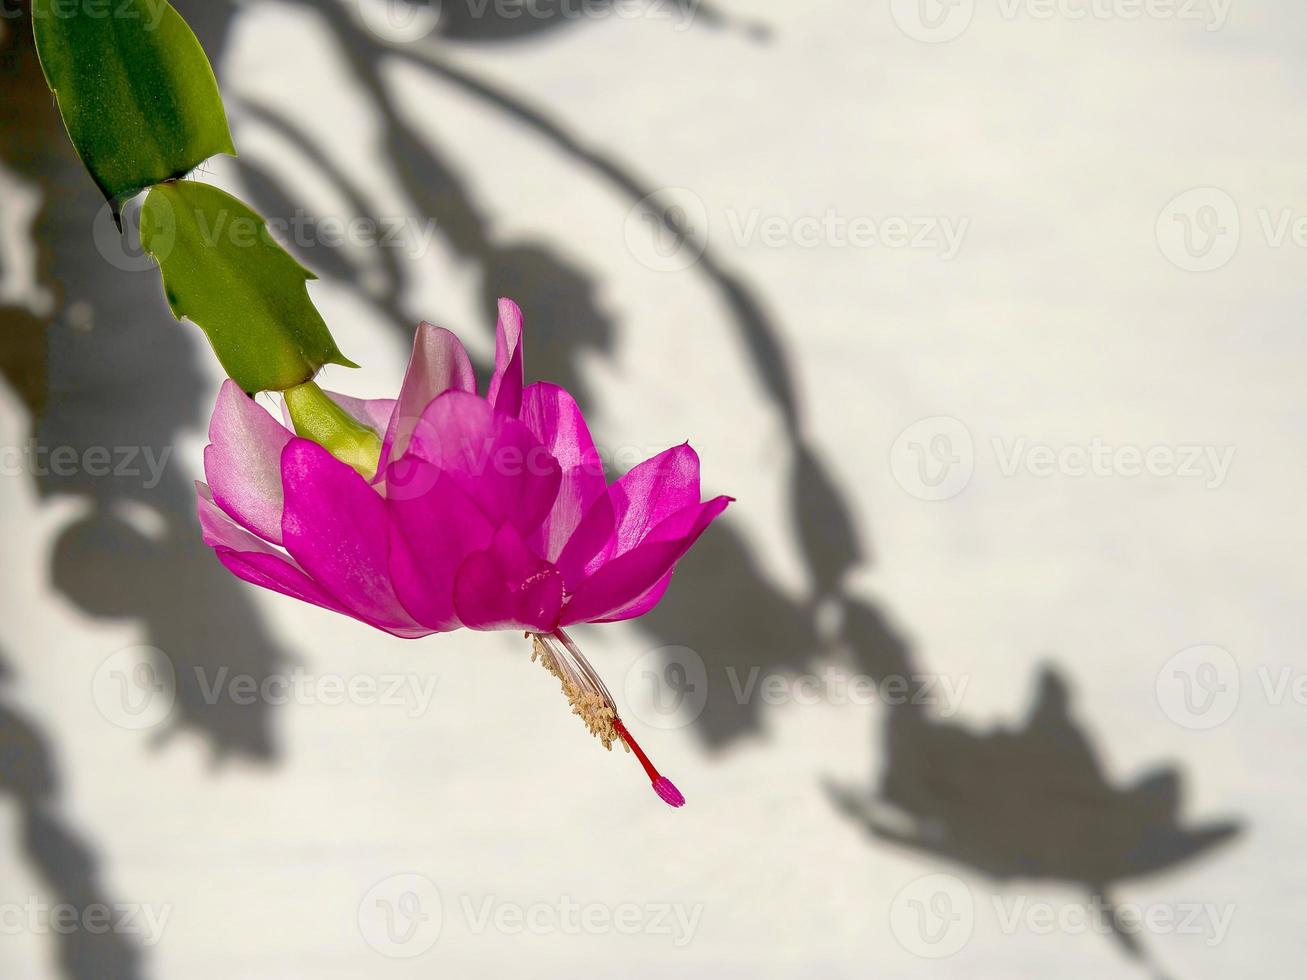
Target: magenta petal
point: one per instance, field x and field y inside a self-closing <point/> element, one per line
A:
<point x="253" y="559"/>
<point x="505" y="391"/>
<point x="555" y="419"/>
<point x="335" y="525"/>
<point x="624" y="581"/>
<point x="653" y="491"/>
<point x="493" y="458"/>
<point x="438" y="364"/>
<point x="642" y="603"/>
<point x="507" y="587"/>
<point x="278" y="575"/>
<point x="620" y="519"/>
<point x="243" y="461"/>
<point x="432" y="532"/>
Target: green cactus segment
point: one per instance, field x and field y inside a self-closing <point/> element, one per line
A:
<point x="223" y="271"/>
<point x="135" y="90"/>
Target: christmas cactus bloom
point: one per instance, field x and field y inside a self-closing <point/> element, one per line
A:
<point x="441" y="509"/>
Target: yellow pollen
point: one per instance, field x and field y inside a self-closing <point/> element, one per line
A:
<point x="589" y="704"/>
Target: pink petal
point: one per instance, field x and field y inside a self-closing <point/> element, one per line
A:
<point x="643" y="603"/>
<point x="506" y="587"/>
<point x="439" y="364"/>
<point x="555" y="419"/>
<point x="505" y="391"/>
<point x="253" y="559"/>
<point x="431" y="533"/>
<point x="243" y="461"/>
<point x="493" y="458"/>
<point x="375" y="413"/>
<point x="619" y="520"/>
<point x="335" y="525"/>
<point x="624" y="582"/>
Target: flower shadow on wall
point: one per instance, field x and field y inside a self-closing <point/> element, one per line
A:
<point x="1029" y="804"/>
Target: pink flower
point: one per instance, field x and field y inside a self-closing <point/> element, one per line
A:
<point x="490" y="513"/>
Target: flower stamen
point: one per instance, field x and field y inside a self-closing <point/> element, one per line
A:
<point x="593" y="704"/>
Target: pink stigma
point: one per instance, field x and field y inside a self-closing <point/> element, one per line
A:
<point x="668" y="792"/>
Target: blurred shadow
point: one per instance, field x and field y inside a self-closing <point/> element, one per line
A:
<point x="58" y="853"/>
<point x="108" y="370"/>
<point x="568" y="320"/>
<point x="484" y="20"/>
<point x="1028" y="803"/>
